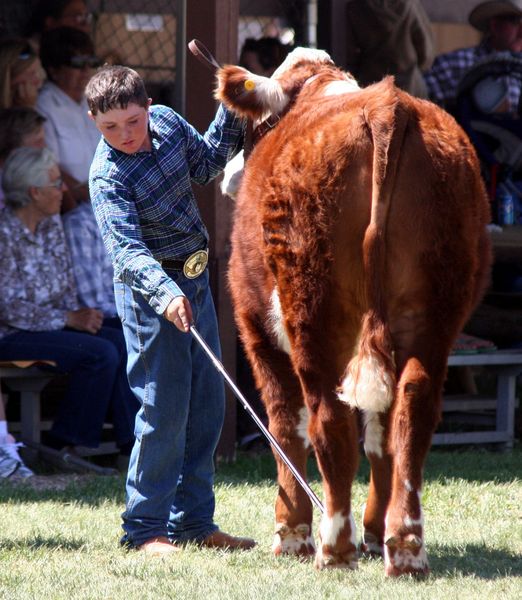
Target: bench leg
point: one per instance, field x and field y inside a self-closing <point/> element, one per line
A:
<point x="506" y="387"/>
<point x="30" y="413"/>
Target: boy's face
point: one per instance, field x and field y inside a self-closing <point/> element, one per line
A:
<point x="125" y="129"/>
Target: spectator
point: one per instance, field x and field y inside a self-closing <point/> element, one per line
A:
<point x="39" y="313"/>
<point x="21" y="73"/>
<point x="389" y="38"/>
<point x="262" y="56"/>
<point x="51" y="14"/>
<point x="19" y="127"/>
<point x="92" y="267"/>
<point x="501" y="23"/>
<point x="140" y="184"/>
<point x="68" y="57"/>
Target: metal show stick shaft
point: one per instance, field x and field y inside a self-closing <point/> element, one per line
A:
<point x="237" y="392"/>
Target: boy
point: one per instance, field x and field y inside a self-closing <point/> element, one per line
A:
<point x="140" y="186"/>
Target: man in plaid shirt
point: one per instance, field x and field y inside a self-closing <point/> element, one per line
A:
<point x="92" y="267"/>
<point x="501" y="23"/>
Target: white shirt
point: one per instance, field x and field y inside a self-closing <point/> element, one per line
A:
<point x="69" y="132"/>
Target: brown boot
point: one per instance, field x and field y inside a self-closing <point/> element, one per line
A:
<point x="220" y="539"/>
<point x="158" y="546"/>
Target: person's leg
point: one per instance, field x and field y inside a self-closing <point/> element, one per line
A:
<point x="192" y="513"/>
<point x="91" y="363"/>
<point x="159" y="371"/>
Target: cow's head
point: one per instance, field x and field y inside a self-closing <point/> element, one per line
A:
<point x="256" y="97"/>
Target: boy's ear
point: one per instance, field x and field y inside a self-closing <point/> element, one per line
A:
<point x="91" y="116"/>
<point x="149" y="102"/>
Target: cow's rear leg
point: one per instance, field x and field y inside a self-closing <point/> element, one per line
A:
<point x="333" y="431"/>
<point x="288" y="423"/>
<point x="293" y="510"/>
<point x="413" y="419"/>
<point x="374" y="511"/>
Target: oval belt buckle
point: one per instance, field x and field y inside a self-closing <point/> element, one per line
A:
<point x="195" y="264"/>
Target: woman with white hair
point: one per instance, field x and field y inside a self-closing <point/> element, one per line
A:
<point x="40" y="318"/>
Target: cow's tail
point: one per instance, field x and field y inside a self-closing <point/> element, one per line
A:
<point x="369" y="381"/>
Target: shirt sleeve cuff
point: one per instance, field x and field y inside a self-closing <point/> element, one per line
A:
<point x="164" y="296"/>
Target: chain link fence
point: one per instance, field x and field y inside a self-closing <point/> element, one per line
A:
<point x="143" y="35"/>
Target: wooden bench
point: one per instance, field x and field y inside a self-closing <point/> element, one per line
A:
<point x="29" y="380"/>
<point x="506" y="365"/>
<point x="25" y="377"/>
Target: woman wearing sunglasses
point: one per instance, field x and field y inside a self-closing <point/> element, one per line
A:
<point x="21" y="74"/>
<point x="68" y="57"/>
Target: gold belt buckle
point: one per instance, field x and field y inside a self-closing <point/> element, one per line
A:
<point x="195" y="264"/>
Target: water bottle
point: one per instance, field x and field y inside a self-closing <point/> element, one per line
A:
<point x="506" y="208"/>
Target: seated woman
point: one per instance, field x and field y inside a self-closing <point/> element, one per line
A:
<point x="19" y="127"/>
<point x="39" y="313"/>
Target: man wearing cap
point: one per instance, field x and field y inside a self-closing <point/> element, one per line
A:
<point x="501" y="23"/>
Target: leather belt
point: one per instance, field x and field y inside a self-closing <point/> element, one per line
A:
<point x="192" y="266"/>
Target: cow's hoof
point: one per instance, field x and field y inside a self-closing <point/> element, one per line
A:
<point x="297" y="541"/>
<point x="370" y="546"/>
<point x="405" y="555"/>
<point x="335" y="560"/>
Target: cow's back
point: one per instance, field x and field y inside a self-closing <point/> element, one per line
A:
<point x="307" y="188"/>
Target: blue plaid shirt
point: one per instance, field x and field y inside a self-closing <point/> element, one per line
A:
<point x="91" y="264"/>
<point x="448" y="70"/>
<point x="144" y="203"/>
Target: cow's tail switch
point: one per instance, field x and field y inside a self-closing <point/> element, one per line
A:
<point x="369" y="382"/>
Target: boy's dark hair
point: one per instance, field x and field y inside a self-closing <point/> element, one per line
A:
<point x="115" y="86"/>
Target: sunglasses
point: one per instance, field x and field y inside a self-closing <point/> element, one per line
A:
<point x="57" y="183"/>
<point x="82" y="61"/>
<point x="26" y="52"/>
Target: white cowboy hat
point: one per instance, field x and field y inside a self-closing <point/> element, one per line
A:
<point x="484" y="11"/>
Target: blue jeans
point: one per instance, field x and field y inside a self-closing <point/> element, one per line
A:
<point x="97" y="383"/>
<point x="171" y="471"/>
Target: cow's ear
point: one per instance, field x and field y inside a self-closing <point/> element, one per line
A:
<point x="249" y="95"/>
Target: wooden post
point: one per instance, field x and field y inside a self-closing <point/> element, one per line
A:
<point x="215" y="23"/>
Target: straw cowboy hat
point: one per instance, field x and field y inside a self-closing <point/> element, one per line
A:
<point x="484" y="11"/>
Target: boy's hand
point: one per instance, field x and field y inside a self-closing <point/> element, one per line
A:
<point x="179" y="312"/>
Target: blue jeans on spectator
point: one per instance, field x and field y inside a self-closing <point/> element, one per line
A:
<point x="97" y="381"/>
<point x="171" y="471"/>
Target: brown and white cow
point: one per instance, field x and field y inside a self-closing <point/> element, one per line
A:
<point x="359" y="250"/>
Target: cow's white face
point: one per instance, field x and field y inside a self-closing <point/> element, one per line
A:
<point x="301" y="55"/>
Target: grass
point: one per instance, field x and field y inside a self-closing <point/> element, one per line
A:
<point x="63" y="544"/>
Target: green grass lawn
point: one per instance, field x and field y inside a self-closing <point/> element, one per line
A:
<point x="63" y="543"/>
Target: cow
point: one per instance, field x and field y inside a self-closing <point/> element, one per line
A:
<point x="359" y="249"/>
